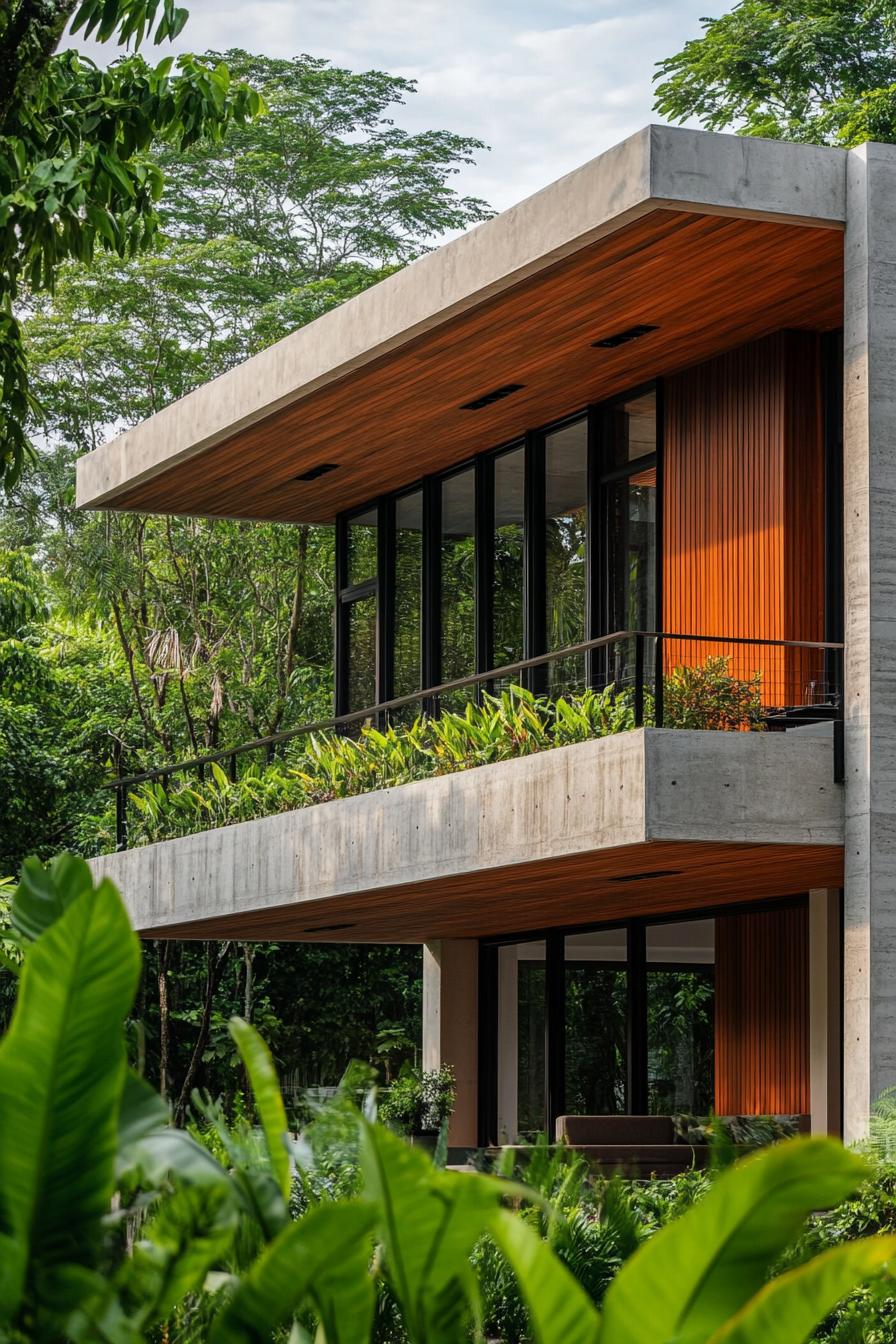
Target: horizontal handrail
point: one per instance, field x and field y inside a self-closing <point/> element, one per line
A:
<point x="445" y="688"/>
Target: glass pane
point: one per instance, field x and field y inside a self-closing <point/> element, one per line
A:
<point x="680" y="1017"/>
<point x="596" y="1022"/>
<point x="632" y="549"/>
<point x="458" y="580"/>
<point x="362" y="653"/>
<point x="408" y="588"/>
<point x="362" y="547"/>
<point x="521" y="1024"/>
<point x="507" y="639"/>
<point x="566" y="493"/>
<point x="632" y="426"/>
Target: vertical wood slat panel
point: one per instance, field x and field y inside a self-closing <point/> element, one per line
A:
<point x="743" y="524"/>
<point x="762" y="1013"/>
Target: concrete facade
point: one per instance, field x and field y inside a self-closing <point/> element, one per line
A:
<point x="450" y="1026"/>
<point x="869" y="465"/>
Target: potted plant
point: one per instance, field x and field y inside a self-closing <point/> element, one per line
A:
<point x="419" y="1103"/>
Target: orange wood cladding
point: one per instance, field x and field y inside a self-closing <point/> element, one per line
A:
<point x="743" y="525"/>
<point x="707" y="283"/>
<point x="762" y="1013"/>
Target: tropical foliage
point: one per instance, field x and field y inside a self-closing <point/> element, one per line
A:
<point x="817" y="71"/>
<point x="75" y="173"/>
<point x="117" y="1225"/>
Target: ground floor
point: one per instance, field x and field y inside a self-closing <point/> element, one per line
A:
<point x="735" y="1009"/>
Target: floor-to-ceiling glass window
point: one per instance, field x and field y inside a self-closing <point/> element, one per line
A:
<point x="407" y="675"/>
<point x="458" y="579"/>
<point x="629" y="486"/>
<point x="565" y="549"/>
<point x="358" y="609"/>
<point x="680" y="1017"/>
<point x="509" y="540"/>
<point x="596" y="1017"/>
<point x="538" y="584"/>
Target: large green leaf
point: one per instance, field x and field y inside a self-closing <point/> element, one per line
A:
<point x="787" y="1310"/>
<point x="322" y="1260"/>
<point x="151" y="1150"/>
<point x="62" y="1071"/>
<point x="697" y="1272"/>
<point x="265" y="1084"/>
<point x="45" y="893"/>
<point x="560" y="1311"/>
<point x="428" y="1223"/>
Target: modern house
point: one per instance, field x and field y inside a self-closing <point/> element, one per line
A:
<point x="644" y="419"/>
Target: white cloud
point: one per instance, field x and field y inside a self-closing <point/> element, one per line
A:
<point x="546" y="86"/>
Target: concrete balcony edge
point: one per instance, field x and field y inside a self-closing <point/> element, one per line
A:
<point x="525" y="815"/>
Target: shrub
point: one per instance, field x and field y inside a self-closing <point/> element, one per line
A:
<point x="420" y="1102"/>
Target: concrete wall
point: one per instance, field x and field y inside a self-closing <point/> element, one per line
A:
<point x="870" y="595"/>
<point x="654" y="784"/>
<point x="450" y="1026"/>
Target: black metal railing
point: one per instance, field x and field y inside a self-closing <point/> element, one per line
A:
<point x="800" y="684"/>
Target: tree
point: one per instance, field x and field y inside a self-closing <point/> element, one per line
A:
<point x="224" y="628"/>
<point x="816" y="71"/>
<point x="75" y="175"/>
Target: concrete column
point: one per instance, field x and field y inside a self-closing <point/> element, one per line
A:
<point x="825" y="1084"/>
<point x="870" y="598"/>
<point x="508" y="1043"/>
<point x="450" y="1034"/>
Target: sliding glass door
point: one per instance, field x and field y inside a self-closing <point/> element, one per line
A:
<point x="611" y="1021"/>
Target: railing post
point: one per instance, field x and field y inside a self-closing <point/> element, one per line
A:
<point x="639" y="681"/>
<point x="121" y="816"/>
<point x="658" y="682"/>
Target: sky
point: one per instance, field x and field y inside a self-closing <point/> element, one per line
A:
<point x="547" y="86"/>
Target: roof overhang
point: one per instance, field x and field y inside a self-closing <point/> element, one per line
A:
<point x="712" y="239"/>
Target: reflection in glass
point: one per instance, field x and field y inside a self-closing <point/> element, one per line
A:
<point x="507" y="637"/>
<point x="566" y="493"/>
<point x="632" y="429"/>
<point x="458" y="653"/>
<point x="408" y="592"/>
<point x="362" y="653"/>
<point x="362" y="547"/>
<point x="521" y="1018"/>
<point x="596" y="1008"/>
<point x="680" y="1017"/>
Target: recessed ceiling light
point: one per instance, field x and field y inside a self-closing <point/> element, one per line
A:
<point x="313" y="472"/>
<point x="623" y="337"/>
<point x="327" y="928"/>
<point x="648" y="876"/>
<point x="489" y="398"/>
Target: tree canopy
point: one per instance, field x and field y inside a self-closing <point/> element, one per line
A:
<point x="75" y="171"/>
<point x="151" y="638"/>
<point x="816" y="71"/>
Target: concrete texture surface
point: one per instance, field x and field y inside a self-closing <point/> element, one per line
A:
<point x="626" y="789"/>
<point x="870" y="600"/>
<point x="659" y="166"/>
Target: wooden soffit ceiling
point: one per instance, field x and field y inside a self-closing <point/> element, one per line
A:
<point x="652" y="878"/>
<point x="707" y="283"/>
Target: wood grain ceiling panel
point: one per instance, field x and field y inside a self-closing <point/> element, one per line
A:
<point x="577" y="890"/>
<point x="708" y="283"/>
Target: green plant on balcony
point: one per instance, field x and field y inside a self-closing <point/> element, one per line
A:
<point x="503" y="727"/>
<point x="709" y="696"/>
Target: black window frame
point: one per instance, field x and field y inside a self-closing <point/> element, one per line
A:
<point x="534" y="614"/>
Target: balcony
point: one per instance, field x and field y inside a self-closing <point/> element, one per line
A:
<point x="614" y="790"/>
